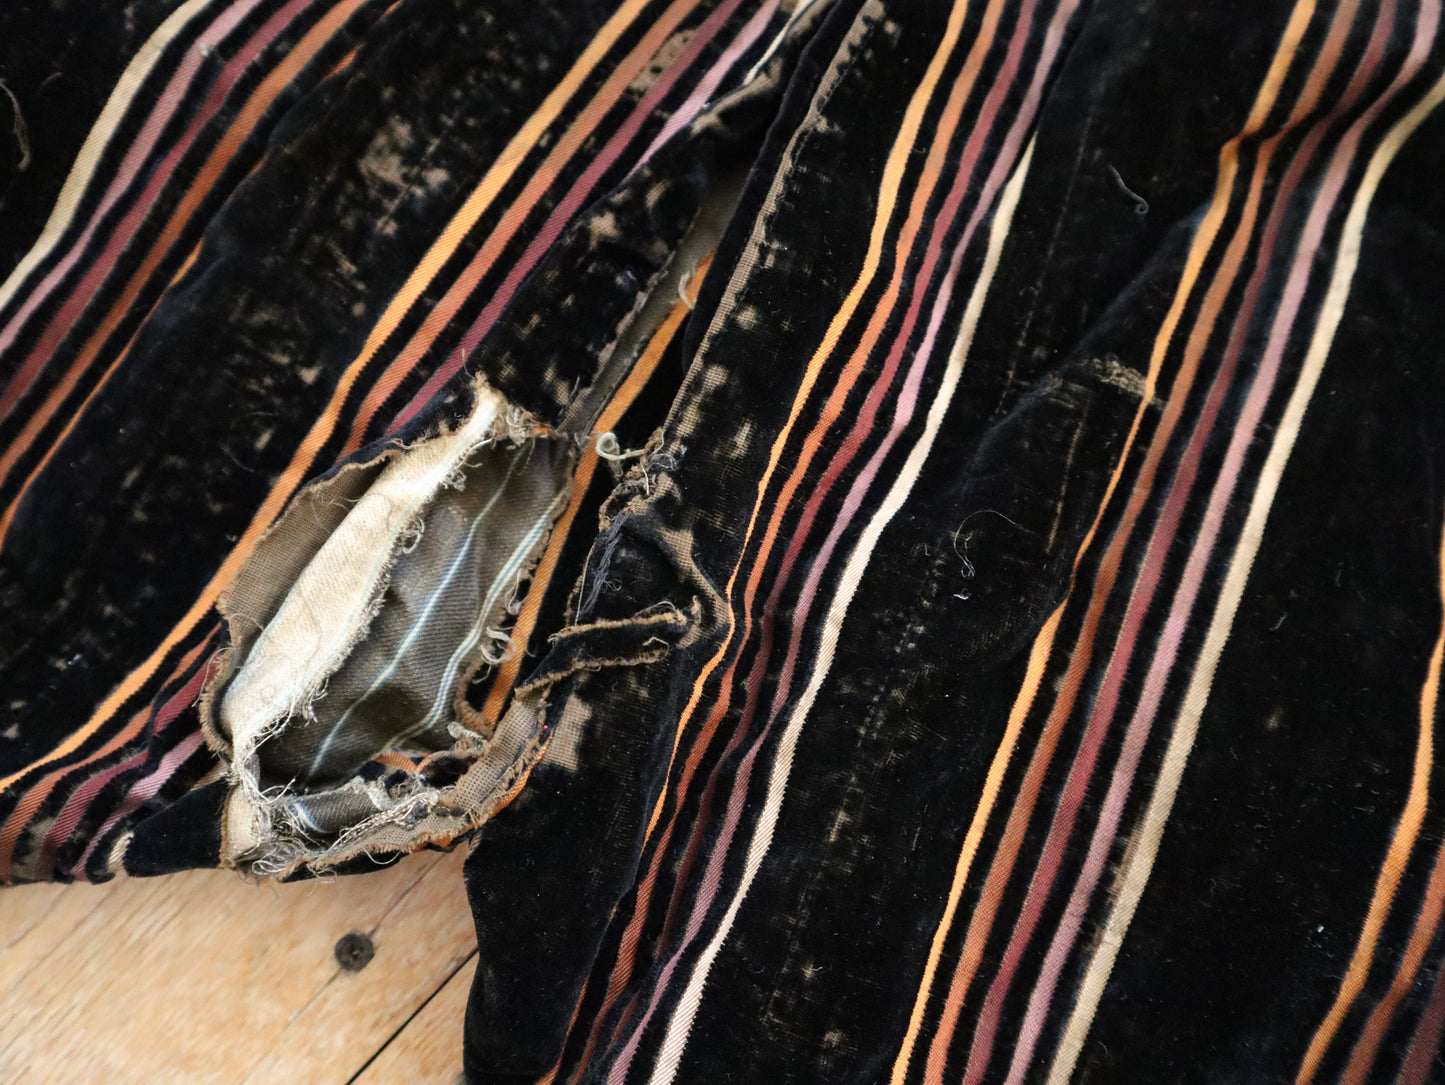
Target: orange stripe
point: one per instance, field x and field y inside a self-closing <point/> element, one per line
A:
<point x="521" y="782"/>
<point x="342" y="64"/>
<point x="1080" y="660"/>
<point x="582" y="479"/>
<point x="636" y="380"/>
<point x="301" y="462"/>
<point x="1427" y="923"/>
<point x="219" y="158"/>
<point x="456" y="296"/>
<point x="25" y="809"/>
<point x="993" y="782"/>
<point x="890" y="184"/>
<point x="1407" y="831"/>
<point x="1001" y="869"/>
<point x="90" y="396"/>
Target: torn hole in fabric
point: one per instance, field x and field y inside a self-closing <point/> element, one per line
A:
<point x="354" y="631"/>
<point x="363" y="619"/>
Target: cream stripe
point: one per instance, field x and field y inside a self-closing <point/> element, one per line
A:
<point x="1181" y="742"/>
<point x="1043" y="645"/>
<point x="675" y="1039"/>
<point x="83" y="169"/>
<point x="893" y="169"/>
<point x="793" y="20"/>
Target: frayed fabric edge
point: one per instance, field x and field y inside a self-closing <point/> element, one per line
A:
<point x="322" y="617"/>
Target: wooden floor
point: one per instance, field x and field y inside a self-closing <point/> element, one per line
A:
<point x="204" y="978"/>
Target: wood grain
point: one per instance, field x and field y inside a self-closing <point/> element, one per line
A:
<point x="426" y="1052"/>
<point x="204" y="978"/>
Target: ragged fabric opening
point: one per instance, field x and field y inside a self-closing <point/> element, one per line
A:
<point x="344" y="708"/>
<point x="386" y="594"/>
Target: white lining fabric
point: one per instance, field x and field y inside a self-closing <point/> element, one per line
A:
<point x="330" y="606"/>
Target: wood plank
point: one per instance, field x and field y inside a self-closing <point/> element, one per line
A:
<point x="201" y="977"/>
<point x="428" y="1050"/>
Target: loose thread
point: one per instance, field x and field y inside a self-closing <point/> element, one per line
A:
<point x="22" y="132"/>
<point x="1141" y="205"/>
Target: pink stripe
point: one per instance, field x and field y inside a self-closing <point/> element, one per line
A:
<point x="1076" y="785"/>
<point x="80" y="297"/>
<point x="688" y="111"/>
<point x="1244" y="433"/>
<point x="144" y="790"/>
<point x="903" y="413"/>
<point x="160" y="116"/>
<point x="580" y="191"/>
<point x="705" y="90"/>
<point x="76" y="807"/>
<point x="866" y="419"/>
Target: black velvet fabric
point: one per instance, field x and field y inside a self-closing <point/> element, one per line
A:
<point x="1003" y="643"/>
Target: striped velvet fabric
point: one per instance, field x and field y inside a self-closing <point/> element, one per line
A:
<point x="907" y="538"/>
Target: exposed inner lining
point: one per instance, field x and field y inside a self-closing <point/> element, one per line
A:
<point x="440" y="615"/>
<point x="363" y="663"/>
<point x="360" y="620"/>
